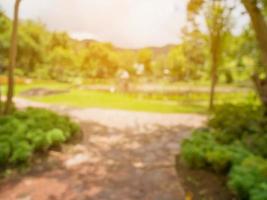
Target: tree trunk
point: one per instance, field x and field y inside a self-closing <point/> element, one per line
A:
<point x="260" y="27"/>
<point x="12" y="59"/>
<point x="215" y="45"/>
<point x="261" y="87"/>
<point x="213" y="84"/>
<point x="216" y="32"/>
<point x="0" y="100"/>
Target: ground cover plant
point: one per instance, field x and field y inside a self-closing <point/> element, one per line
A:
<point x="26" y="132"/>
<point x="233" y="144"/>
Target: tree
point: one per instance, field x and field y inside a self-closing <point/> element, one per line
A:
<point x="4" y="45"/>
<point x="12" y="58"/>
<point x="62" y="61"/>
<point x="4" y="39"/>
<point x="33" y="46"/>
<point x="242" y="57"/>
<point x="145" y="57"/>
<point x="100" y="61"/>
<point x="195" y="52"/>
<point x="255" y="9"/>
<point x="217" y="19"/>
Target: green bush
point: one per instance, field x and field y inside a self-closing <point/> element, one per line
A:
<point x="21" y="152"/>
<point x="202" y="150"/>
<point x="37" y="139"/>
<point x="245" y="179"/>
<point x="5" y="151"/>
<point x="46" y="121"/>
<point x="235" y="144"/>
<point x="234" y="121"/>
<point x="194" y="149"/>
<point x="238" y="152"/>
<point x="55" y="137"/>
<point x="256" y="143"/>
<point x="259" y="192"/>
<point x="219" y="158"/>
<point x="25" y="132"/>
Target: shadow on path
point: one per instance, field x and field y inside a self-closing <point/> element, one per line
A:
<point x="122" y="156"/>
<point x="123" y="164"/>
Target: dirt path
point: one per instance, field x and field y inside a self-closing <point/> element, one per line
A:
<point x="122" y="156"/>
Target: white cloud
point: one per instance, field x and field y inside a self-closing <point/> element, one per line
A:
<point x="127" y="23"/>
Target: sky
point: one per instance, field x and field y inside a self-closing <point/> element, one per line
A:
<point x="125" y="23"/>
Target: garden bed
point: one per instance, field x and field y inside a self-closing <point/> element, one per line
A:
<point x="201" y="184"/>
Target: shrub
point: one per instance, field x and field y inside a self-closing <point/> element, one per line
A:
<point x="55" y="137"/>
<point x="193" y="155"/>
<point x="202" y="150"/>
<point x="238" y="152"/>
<point x="219" y="158"/>
<point x="31" y="130"/>
<point x="37" y="139"/>
<point x="46" y="121"/>
<point x="22" y="151"/>
<point x="5" y="151"/>
<point x="246" y="178"/>
<point x="194" y="150"/>
<point x="234" y="121"/>
<point x="259" y="192"/>
<point x="256" y="143"/>
<point x="235" y="143"/>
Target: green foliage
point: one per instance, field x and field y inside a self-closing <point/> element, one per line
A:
<point x="219" y="158"/>
<point x="239" y="152"/>
<point x="25" y="132"/>
<point x="234" y="144"/>
<point x="22" y="151"/>
<point x="55" y="137"/>
<point x="46" y="120"/>
<point x="32" y="46"/>
<point x="256" y="143"/>
<point x="100" y="61"/>
<point x="188" y="60"/>
<point x="259" y="192"/>
<point x="38" y="139"/>
<point x="5" y="151"/>
<point x="235" y="121"/>
<point x="202" y="150"/>
<point x="55" y="55"/>
<point x="194" y="150"/>
<point x="250" y="128"/>
<point x="145" y="57"/>
<point x="247" y="179"/>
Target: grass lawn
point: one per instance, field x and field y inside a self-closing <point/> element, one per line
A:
<point x="191" y="102"/>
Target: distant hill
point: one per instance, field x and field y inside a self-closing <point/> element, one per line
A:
<point x="157" y="50"/>
<point x="162" y="50"/>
